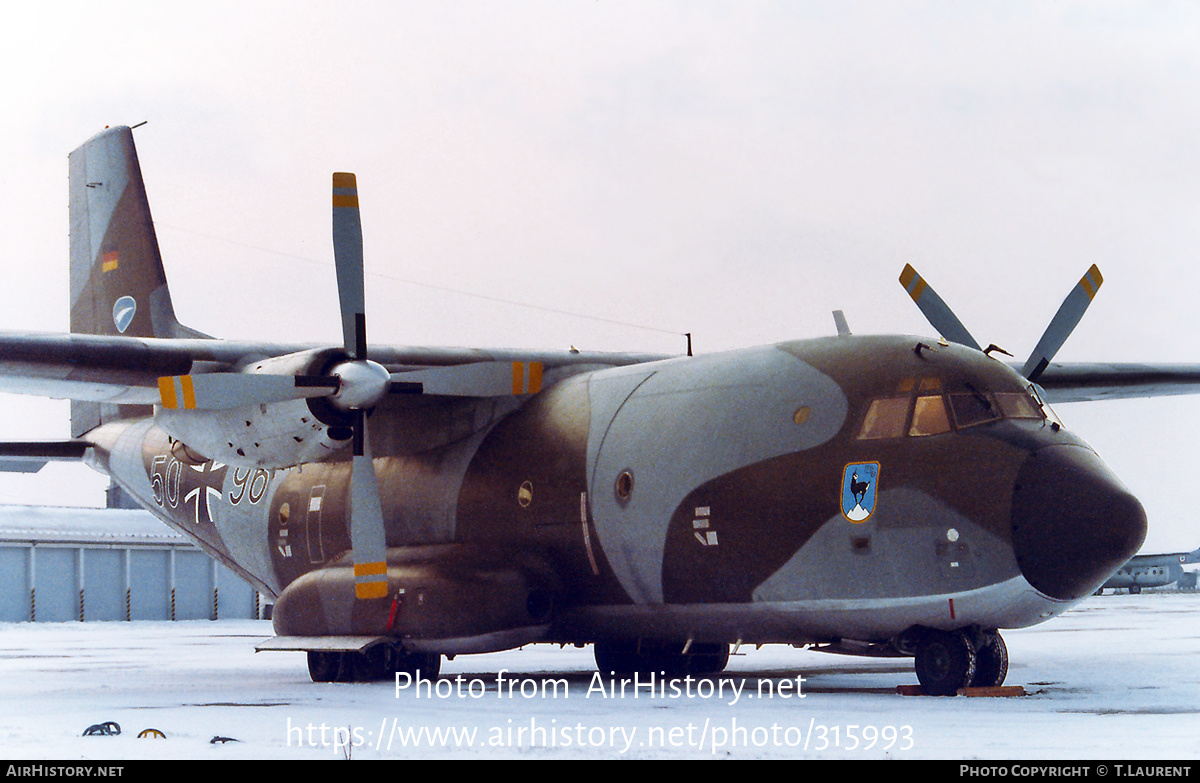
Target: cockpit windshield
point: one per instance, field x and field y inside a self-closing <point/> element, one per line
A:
<point x="928" y="410"/>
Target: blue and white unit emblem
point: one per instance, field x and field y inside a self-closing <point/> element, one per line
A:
<point x="123" y="311"/>
<point x="859" y="480"/>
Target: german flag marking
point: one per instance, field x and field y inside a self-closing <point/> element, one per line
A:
<point x="109" y="262"/>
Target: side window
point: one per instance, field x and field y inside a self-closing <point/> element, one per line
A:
<point x="1047" y="411"/>
<point x="972" y="409"/>
<point x="929" y="416"/>
<point x="1015" y="405"/>
<point x="885" y="419"/>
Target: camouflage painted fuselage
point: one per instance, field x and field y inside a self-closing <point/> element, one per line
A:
<point x="749" y="495"/>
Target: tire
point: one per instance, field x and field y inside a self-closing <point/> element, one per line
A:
<point x="626" y="657"/>
<point x="991" y="662"/>
<point x="708" y="658"/>
<point x="945" y="662"/>
<point x="324" y="665"/>
<point x="374" y="663"/>
<point x="378" y="662"/>
<point x="417" y="664"/>
<point x="616" y="657"/>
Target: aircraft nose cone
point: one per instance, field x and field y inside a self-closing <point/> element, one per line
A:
<point x="1073" y="522"/>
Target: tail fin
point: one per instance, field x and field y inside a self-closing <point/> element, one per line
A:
<point x="117" y="282"/>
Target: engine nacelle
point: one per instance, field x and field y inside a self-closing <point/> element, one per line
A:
<point x="271" y="435"/>
<point x="448" y="599"/>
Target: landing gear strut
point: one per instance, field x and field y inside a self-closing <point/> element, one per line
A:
<point x="380" y="661"/>
<point x="949" y="660"/>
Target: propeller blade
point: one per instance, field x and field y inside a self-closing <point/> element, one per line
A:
<point x="222" y="390"/>
<point x="367" y="538"/>
<point x="348" y="260"/>
<point x="363" y="383"/>
<point x="1063" y="323"/>
<point x="939" y="315"/>
<point x="477" y="379"/>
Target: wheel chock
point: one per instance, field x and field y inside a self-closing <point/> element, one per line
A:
<point x="996" y="691"/>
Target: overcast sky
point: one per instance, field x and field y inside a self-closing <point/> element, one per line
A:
<point x="737" y="170"/>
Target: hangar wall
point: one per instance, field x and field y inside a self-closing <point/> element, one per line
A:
<point x="66" y="564"/>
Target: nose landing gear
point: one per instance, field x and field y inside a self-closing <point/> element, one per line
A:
<point x="947" y="661"/>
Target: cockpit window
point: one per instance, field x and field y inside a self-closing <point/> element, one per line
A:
<point x="1047" y="412"/>
<point x="1015" y="405"/>
<point x="929" y="416"/>
<point x="972" y="408"/>
<point x="886" y="418"/>
<point x="930" y="412"/>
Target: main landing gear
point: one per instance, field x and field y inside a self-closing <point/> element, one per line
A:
<point x="674" y="659"/>
<point x="967" y="658"/>
<point x="380" y="661"/>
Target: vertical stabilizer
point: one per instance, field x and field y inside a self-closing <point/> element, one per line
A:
<point x="117" y="282"/>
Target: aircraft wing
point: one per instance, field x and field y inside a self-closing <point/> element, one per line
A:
<point x="1099" y="381"/>
<point x="126" y="370"/>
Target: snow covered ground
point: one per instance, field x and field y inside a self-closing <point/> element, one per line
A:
<point x="1116" y="678"/>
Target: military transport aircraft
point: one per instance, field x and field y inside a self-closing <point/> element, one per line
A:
<point x="880" y="495"/>
<point x="1153" y="571"/>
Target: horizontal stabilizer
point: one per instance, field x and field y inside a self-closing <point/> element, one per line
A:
<point x="30" y="457"/>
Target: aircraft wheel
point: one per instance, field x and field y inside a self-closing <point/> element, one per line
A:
<point x="617" y="657"/>
<point x="324" y="665"/>
<point x="945" y="662"/>
<point x="991" y="662"/>
<point x="625" y="657"/>
<point x="427" y="665"/>
<point x="649" y="657"/>
<point x="708" y="658"/>
<point x="1135" y="589"/>
<point x="372" y="664"/>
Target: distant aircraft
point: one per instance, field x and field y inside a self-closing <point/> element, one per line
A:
<point x="883" y="495"/>
<point x="1153" y="571"/>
